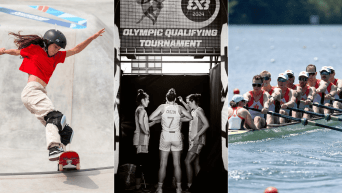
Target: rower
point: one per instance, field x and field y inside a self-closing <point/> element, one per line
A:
<point x="318" y="84"/>
<point x="238" y="117"/>
<point x="329" y="92"/>
<point x="258" y="99"/>
<point x="266" y="76"/>
<point x="291" y="85"/>
<point x="291" y="80"/>
<point x="338" y="84"/>
<point x="305" y="93"/>
<point x="287" y="98"/>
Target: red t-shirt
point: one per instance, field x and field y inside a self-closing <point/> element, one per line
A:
<point x="37" y="62"/>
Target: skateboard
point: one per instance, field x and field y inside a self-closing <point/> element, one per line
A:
<point x="69" y="160"/>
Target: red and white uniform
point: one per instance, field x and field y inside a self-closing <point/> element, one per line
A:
<point x="256" y="104"/>
<point x="271" y="107"/>
<point x="318" y="96"/>
<point x="306" y="91"/>
<point x="235" y="121"/>
<point x="294" y="87"/>
<point x="286" y="99"/>
<point x="335" y="83"/>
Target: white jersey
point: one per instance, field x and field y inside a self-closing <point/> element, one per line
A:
<point x="195" y="126"/>
<point x="257" y="105"/>
<point x="171" y="118"/>
<point x="235" y="121"/>
<point x="139" y="137"/>
<point x="318" y="97"/>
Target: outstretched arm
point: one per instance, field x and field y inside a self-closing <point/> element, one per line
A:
<point x="185" y="113"/>
<point x="185" y="105"/>
<point x="155" y="114"/>
<point x="14" y="52"/>
<point x="84" y="44"/>
<point x="185" y="119"/>
<point x="154" y="121"/>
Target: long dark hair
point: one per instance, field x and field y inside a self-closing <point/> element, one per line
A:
<point x="171" y="95"/>
<point x="23" y="41"/>
<point x="141" y="95"/>
<point x="196" y="98"/>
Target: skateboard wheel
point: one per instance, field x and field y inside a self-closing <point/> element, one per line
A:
<point x="78" y="166"/>
<point x="60" y="167"/>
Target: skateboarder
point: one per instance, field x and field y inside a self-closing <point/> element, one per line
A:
<point x="41" y="56"/>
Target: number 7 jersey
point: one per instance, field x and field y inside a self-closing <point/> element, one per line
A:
<point x="171" y="118"/>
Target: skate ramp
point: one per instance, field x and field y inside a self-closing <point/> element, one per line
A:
<point x="81" y="88"/>
<point x="90" y="180"/>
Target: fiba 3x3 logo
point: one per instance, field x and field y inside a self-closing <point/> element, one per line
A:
<point x="198" y="10"/>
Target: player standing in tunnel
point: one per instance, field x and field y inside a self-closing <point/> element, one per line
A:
<point x="170" y="137"/>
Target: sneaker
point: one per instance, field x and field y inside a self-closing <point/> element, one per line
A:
<point x="186" y="191"/>
<point x="159" y="190"/>
<point x="179" y="190"/>
<point x="54" y="153"/>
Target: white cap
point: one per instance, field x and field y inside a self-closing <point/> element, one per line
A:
<point x="325" y="68"/>
<point x="237" y="98"/>
<point x="331" y="68"/>
<point x="283" y="75"/>
<point x="289" y="72"/>
<point x="304" y="73"/>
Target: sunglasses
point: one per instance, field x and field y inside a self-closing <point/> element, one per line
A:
<point x="312" y="73"/>
<point x="324" y="73"/>
<point x="303" y="79"/>
<point x="258" y="85"/>
<point x="290" y="75"/>
<point x="266" y="78"/>
<point x="282" y="80"/>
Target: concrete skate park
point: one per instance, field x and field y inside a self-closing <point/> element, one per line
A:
<point x="81" y="88"/>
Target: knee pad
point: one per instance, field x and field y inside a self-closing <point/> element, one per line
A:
<point x="66" y="135"/>
<point x="56" y="118"/>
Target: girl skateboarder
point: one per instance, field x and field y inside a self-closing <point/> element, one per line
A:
<point x="41" y="56"/>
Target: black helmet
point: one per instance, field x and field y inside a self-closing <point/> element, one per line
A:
<point x="55" y="36"/>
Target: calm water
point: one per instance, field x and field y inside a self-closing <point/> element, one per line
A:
<point x="294" y="159"/>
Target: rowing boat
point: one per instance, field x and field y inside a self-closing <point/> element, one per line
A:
<point x="276" y="130"/>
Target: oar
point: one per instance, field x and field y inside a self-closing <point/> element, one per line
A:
<point x="326" y="116"/>
<point x="339" y="100"/>
<point x="303" y="121"/>
<point x="326" y="107"/>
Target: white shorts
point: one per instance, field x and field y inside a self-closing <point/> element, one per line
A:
<point x="171" y="141"/>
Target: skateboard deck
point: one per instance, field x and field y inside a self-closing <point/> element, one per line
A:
<point x="69" y="160"/>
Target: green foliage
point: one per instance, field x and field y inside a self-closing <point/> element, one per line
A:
<point x="284" y="11"/>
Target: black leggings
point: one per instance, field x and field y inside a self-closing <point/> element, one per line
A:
<point x="141" y="160"/>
